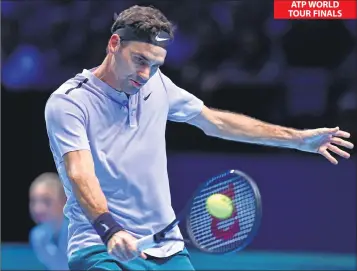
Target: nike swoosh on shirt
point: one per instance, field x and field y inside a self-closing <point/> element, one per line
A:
<point x="147" y="97"/>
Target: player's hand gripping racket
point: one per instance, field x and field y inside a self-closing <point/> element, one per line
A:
<point x="211" y="234"/>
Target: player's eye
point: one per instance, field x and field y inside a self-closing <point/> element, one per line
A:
<point x="139" y="60"/>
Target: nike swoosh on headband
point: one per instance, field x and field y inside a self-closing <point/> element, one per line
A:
<point x="157" y="38"/>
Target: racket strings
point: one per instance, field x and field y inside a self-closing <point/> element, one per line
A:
<point x="223" y="235"/>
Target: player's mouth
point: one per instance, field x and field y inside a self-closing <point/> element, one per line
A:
<point x="135" y="84"/>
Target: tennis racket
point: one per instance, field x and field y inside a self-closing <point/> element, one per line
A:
<point x="210" y="234"/>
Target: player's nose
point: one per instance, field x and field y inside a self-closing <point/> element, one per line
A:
<point x="144" y="74"/>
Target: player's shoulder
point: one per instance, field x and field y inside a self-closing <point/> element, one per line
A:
<point x="74" y="91"/>
<point x="72" y="88"/>
<point x="157" y="81"/>
<point x="160" y="76"/>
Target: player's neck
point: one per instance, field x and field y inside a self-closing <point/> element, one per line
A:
<point x="105" y="73"/>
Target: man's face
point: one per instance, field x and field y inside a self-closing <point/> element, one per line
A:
<point x="46" y="204"/>
<point x="135" y="63"/>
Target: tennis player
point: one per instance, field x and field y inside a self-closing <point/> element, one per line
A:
<point x="49" y="237"/>
<point x="106" y="128"/>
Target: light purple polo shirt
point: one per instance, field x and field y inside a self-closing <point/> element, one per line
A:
<point x="127" y="140"/>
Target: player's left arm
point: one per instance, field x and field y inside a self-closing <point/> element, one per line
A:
<point x="239" y="127"/>
<point x="185" y="107"/>
<point x="242" y="128"/>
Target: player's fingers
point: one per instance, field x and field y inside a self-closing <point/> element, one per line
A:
<point x="143" y="255"/>
<point x="116" y="253"/>
<point x="329" y="157"/>
<point x="342" y="134"/>
<point x="138" y="253"/>
<point x="334" y="130"/>
<point x="338" y="151"/>
<point x="119" y="251"/>
<point x="111" y="247"/>
<point x="131" y="249"/>
<point x="132" y="246"/>
<point x="129" y="253"/>
<point x="328" y="130"/>
<point x="341" y="142"/>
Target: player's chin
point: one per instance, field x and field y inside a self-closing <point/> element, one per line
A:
<point x="134" y="88"/>
<point x="133" y="92"/>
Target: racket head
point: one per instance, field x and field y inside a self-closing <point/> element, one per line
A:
<point x="221" y="236"/>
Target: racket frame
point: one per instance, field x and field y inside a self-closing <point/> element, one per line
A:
<point x="258" y="208"/>
<point x="156" y="238"/>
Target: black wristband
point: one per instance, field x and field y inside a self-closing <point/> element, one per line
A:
<point x="106" y="227"/>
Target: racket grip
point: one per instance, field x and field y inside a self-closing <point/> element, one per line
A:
<point x="145" y="242"/>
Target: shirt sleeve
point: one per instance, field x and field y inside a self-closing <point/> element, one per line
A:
<point x="183" y="106"/>
<point x="66" y="124"/>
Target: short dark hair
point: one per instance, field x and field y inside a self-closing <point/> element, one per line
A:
<point x="148" y="19"/>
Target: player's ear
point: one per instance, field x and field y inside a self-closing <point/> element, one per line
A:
<point x="114" y="43"/>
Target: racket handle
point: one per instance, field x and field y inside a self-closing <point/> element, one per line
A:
<point x="145" y="242"/>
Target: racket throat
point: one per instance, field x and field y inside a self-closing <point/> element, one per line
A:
<point x="159" y="237"/>
<point x="161" y="234"/>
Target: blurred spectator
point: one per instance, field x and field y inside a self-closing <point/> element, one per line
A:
<point x="49" y="237"/>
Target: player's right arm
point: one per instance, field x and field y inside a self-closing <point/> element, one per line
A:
<point x="66" y="122"/>
<point x="85" y="184"/>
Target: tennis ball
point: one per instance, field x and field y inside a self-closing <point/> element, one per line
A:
<point x="219" y="206"/>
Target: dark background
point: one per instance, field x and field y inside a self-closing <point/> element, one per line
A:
<point x="232" y="55"/>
